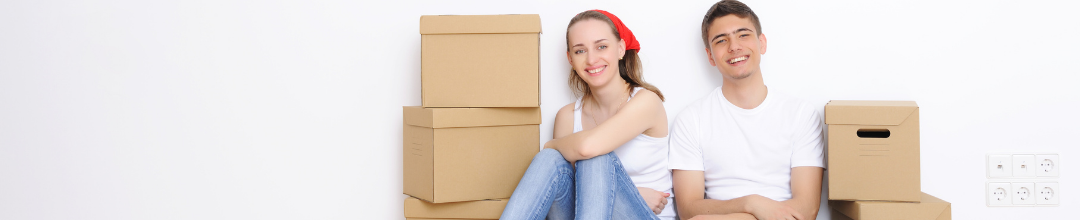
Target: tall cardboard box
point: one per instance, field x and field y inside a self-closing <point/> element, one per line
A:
<point x="480" y="60"/>
<point x="873" y="150"/>
<point x="931" y="208"/>
<point x="483" y="209"/>
<point x="464" y="154"/>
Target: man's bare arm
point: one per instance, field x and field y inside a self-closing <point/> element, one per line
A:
<point x="806" y="191"/>
<point x="690" y="196"/>
<point x="689" y="187"/>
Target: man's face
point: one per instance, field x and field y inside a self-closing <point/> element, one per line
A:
<point x="735" y="47"/>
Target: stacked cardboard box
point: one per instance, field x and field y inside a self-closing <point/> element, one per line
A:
<point x="873" y="158"/>
<point x="416" y="209"/>
<point x="470" y="143"/>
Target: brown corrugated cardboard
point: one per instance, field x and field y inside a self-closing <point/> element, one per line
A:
<point x="480" y="60"/>
<point x="443" y="219"/>
<point x="931" y="208"/>
<point x="483" y="209"/>
<point x="873" y="151"/>
<point x="465" y="154"/>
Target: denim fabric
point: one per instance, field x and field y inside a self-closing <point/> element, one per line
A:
<point x="599" y="189"/>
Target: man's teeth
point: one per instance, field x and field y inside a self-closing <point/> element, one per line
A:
<point x="597" y="70"/>
<point x="737" y="60"/>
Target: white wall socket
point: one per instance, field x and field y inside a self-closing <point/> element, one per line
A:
<point x="1047" y="165"/>
<point x="998" y="194"/>
<point x="1024" y="165"/>
<point x="1023" y="179"/>
<point x="1023" y="193"/>
<point x="999" y="165"/>
<point x="1046" y="193"/>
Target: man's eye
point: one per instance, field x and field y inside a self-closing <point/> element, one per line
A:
<point x="744" y="35"/>
<point x="721" y="41"/>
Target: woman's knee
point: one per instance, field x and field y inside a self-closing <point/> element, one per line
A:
<point x="604" y="160"/>
<point x="548" y="155"/>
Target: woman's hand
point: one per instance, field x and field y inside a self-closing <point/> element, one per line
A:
<point x="656" y="200"/>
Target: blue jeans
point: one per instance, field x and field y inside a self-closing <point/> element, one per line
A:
<point x="599" y="189"/>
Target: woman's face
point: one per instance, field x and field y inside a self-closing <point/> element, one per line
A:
<point x="594" y="52"/>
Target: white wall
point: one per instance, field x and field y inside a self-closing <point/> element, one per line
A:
<point x="292" y="109"/>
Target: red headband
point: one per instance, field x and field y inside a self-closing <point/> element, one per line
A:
<point x="624" y="33"/>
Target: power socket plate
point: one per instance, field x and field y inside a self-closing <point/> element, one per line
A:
<point x="998" y="194"/>
<point x="1023" y="193"/>
<point x="1047" y="165"/>
<point x="1047" y="193"/>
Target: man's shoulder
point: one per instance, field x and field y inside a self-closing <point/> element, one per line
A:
<point x="703" y="104"/>
<point x="793" y="104"/>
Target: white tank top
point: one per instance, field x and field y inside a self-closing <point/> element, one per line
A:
<point x="645" y="160"/>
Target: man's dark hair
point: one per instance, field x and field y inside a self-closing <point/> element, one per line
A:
<point x="724" y="8"/>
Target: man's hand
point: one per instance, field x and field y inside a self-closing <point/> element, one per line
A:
<point x="767" y="209"/>
<point x="732" y="216"/>
<point x="656" y="200"/>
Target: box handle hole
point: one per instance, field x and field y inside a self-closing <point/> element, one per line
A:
<point x="873" y="133"/>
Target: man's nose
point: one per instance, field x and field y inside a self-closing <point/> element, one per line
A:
<point x="733" y="47"/>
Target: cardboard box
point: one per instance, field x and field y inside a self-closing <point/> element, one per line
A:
<point x="483" y="209"/>
<point x="465" y="154"/>
<point x="443" y="219"/>
<point x="480" y="60"/>
<point x="931" y="208"/>
<point x="873" y="150"/>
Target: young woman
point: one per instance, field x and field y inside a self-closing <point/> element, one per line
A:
<point x="608" y="158"/>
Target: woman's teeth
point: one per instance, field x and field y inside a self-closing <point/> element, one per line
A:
<point x="597" y="70"/>
<point x="732" y="61"/>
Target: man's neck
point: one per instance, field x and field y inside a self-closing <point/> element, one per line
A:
<point x="746" y="93"/>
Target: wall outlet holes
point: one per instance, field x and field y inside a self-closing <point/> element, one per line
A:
<point x="1048" y="165"/>
<point x="999" y="194"/>
<point x="1023" y="193"/>
<point x="1046" y="193"/>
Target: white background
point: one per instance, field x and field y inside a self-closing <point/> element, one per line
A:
<point x="232" y="109"/>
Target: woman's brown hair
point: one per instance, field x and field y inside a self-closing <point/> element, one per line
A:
<point x="629" y="65"/>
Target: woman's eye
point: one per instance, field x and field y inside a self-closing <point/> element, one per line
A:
<point x="579" y="51"/>
<point x="602" y="47"/>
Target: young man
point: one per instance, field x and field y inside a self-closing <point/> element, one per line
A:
<point x="743" y="151"/>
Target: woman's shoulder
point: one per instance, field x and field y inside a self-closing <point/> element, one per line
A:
<point x="568" y="108"/>
<point x="649" y="97"/>
<point x="566" y="112"/>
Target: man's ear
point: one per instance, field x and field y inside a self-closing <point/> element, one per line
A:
<point x="708" y="55"/>
<point x="764" y="43"/>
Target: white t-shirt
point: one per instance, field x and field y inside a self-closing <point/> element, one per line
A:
<point x="644" y="161"/>
<point x="747" y="151"/>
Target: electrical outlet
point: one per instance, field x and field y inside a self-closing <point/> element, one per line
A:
<point x="1047" y="165"/>
<point x="998" y="165"/>
<point x="997" y="194"/>
<point x="1023" y="193"/>
<point x="1024" y="165"/>
<point x="1046" y="193"/>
